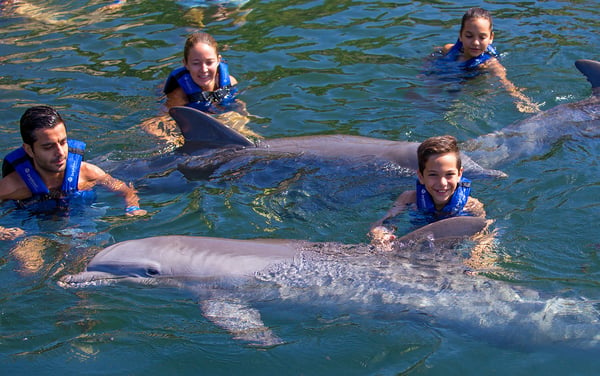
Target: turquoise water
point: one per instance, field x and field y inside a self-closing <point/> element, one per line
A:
<point x="306" y="68"/>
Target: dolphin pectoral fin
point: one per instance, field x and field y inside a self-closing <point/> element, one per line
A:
<point x="451" y="228"/>
<point x="241" y="320"/>
<point x="591" y="70"/>
<point x="201" y="130"/>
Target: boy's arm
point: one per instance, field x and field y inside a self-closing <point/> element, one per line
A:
<point x="404" y="199"/>
<point x="475" y="207"/>
<point x="382" y="236"/>
<point x="524" y="104"/>
<point x="93" y="175"/>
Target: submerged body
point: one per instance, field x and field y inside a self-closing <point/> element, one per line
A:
<point x="536" y="135"/>
<point x="424" y="274"/>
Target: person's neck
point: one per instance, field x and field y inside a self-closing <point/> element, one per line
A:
<point x="53" y="180"/>
<point x="439" y="207"/>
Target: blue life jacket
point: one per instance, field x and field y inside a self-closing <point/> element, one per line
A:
<point x="455" y="207"/>
<point x="473" y="62"/>
<point x="19" y="161"/>
<point x="202" y="100"/>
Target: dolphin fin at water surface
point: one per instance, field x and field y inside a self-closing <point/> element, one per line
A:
<point x="591" y="70"/>
<point x="211" y="133"/>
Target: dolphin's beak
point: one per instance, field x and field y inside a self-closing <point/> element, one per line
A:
<point x="86" y="279"/>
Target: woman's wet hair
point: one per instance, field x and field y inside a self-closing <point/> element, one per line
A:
<point x="196" y="38"/>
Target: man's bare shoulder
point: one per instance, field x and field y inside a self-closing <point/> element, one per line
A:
<point x="90" y="175"/>
<point x="91" y="170"/>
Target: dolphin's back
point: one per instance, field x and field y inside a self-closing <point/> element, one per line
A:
<point x="206" y="257"/>
<point x="190" y="256"/>
<point x="202" y="132"/>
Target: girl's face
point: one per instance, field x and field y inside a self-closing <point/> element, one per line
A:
<point x="203" y="63"/>
<point x="476" y="36"/>
<point x="440" y="177"/>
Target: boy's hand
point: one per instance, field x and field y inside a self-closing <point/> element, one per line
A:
<point x="382" y="238"/>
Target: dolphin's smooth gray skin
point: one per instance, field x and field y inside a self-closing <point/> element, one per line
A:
<point x="536" y="135"/>
<point x="424" y="274"/>
<point x="530" y="137"/>
<point x="212" y="143"/>
<point x="210" y="258"/>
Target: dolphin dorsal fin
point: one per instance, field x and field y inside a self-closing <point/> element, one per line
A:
<point x="202" y="130"/>
<point x="591" y="70"/>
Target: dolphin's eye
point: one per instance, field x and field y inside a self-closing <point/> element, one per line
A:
<point x="152" y="272"/>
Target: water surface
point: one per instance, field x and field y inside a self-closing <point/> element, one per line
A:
<point x="306" y="68"/>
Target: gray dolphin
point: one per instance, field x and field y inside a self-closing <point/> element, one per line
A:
<point x="210" y="143"/>
<point x="537" y="134"/>
<point x="424" y="274"/>
<point x="530" y="137"/>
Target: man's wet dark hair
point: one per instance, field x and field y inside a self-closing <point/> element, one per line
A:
<point x="38" y="117"/>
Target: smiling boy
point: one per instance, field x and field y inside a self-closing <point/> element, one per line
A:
<point x="441" y="190"/>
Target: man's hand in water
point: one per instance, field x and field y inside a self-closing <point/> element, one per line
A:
<point x="10" y="233"/>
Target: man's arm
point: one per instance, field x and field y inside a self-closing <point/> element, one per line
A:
<point x="10" y="233"/>
<point x="12" y="188"/>
<point x="91" y="175"/>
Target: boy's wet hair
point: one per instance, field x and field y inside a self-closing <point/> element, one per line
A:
<point x="38" y="117"/>
<point x="435" y="146"/>
<point x="196" y="38"/>
<point x="476" y="13"/>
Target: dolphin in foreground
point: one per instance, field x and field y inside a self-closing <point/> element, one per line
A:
<point x="424" y="275"/>
<point x="536" y="135"/>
